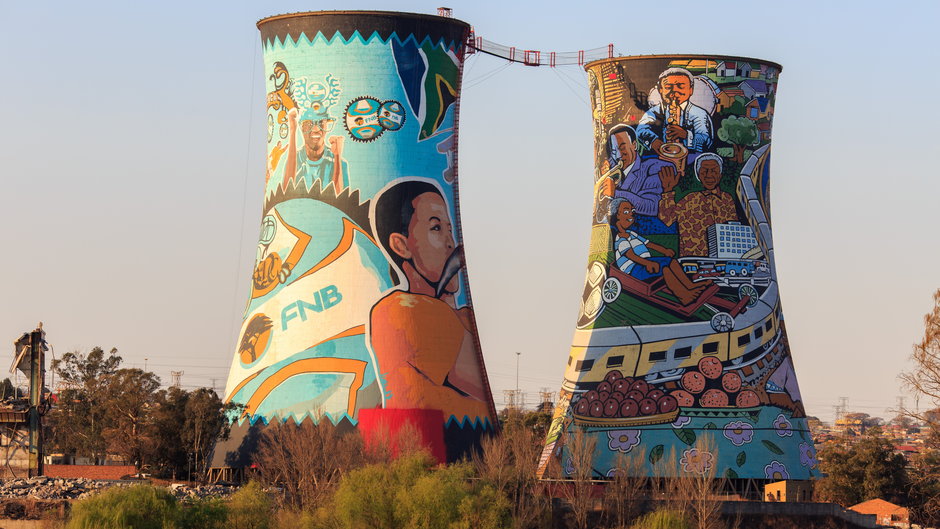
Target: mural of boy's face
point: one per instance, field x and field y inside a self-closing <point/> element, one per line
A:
<point x="675" y="88"/>
<point x="625" y="215"/>
<point x="430" y="239"/>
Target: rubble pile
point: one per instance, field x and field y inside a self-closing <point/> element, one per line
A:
<point x="45" y="488"/>
<point x="185" y="492"/>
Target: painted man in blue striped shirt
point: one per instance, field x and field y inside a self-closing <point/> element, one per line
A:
<point x="633" y="257"/>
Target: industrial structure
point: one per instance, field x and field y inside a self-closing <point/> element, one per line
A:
<point x="360" y="311"/>
<point x="680" y="354"/>
<point x="21" y="439"/>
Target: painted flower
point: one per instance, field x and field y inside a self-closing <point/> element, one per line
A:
<point x="681" y="421"/>
<point x="783" y="426"/>
<point x="696" y="461"/>
<point x="739" y="432"/>
<point x="776" y="470"/>
<point x="808" y="456"/>
<point x="623" y="440"/>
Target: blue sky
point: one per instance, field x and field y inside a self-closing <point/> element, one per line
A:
<point x="131" y="146"/>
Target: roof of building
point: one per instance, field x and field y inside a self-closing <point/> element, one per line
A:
<point x="756" y="84"/>
<point x="877" y="506"/>
<point x="761" y="103"/>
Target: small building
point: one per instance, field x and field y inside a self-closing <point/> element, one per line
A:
<point x="726" y="98"/>
<point x="731" y="240"/>
<point x="733" y="69"/>
<point x="763" y="128"/>
<point x="789" y="490"/>
<point x="754" y="88"/>
<point x="758" y="108"/>
<point x="886" y="513"/>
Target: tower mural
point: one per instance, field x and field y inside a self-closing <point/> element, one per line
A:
<point x="359" y="305"/>
<point x="680" y="336"/>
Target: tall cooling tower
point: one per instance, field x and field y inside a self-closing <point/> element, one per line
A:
<point x="360" y="311"/>
<point x="680" y="357"/>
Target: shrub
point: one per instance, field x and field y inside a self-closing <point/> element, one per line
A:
<point x="367" y="497"/>
<point x="249" y="508"/>
<point x="204" y="514"/>
<point x="485" y="508"/>
<point x="307" y="461"/>
<point x="409" y="493"/>
<point x="432" y="501"/>
<point x="662" y="519"/>
<point x="140" y="507"/>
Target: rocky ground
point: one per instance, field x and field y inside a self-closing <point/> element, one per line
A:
<point x="45" y="488"/>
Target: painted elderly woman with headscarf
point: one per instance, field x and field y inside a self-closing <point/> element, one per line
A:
<point x="699" y="209"/>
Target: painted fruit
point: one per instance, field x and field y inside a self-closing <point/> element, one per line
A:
<point x="713" y="398"/>
<point x="684" y="398"/>
<point x="603" y="396"/>
<point x="629" y="408"/>
<point x="611" y="407"/>
<point x="597" y="409"/>
<point x="618" y="396"/>
<point x="621" y="386"/>
<point x="710" y="367"/>
<point x="731" y="382"/>
<point x="667" y="403"/>
<point x="693" y="382"/>
<point x="612" y="376"/>
<point x="582" y="407"/>
<point x="747" y="399"/>
<point x="636" y="395"/>
<point x="590" y="396"/>
<point x="641" y="385"/>
<point x="603" y="386"/>
<point x="655" y="394"/>
<point x="648" y="407"/>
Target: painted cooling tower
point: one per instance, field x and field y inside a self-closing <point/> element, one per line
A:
<point x="680" y="355"/>
<point x="360" y="311"/>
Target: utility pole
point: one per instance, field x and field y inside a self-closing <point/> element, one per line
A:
<point x="176" y="375"/>
<point x="518" y="354"/>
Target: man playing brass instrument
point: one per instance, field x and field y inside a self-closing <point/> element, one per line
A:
<point x="676" y="119"/>
<point x="639" y="180"/>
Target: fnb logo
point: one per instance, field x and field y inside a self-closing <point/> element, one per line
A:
<point x="322" y="299"/>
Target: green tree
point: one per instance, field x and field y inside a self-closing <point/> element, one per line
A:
<point x="169" y="456"/>
<point x="129" y="398"/>
<point x="78" y="421"/>
<point x="740" y="132"/>
<point x="8" y="391"/>
<point x="205" y="421"/>
<point x="864" y="471"/>
<point x="924" y="381"/>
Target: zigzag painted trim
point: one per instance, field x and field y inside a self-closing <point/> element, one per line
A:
<point x="475" y="424"/>
<point x="319" y="38"/>
<point x="298" y="419"/>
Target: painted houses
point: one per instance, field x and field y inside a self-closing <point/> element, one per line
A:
<point x="733" y="69"/>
